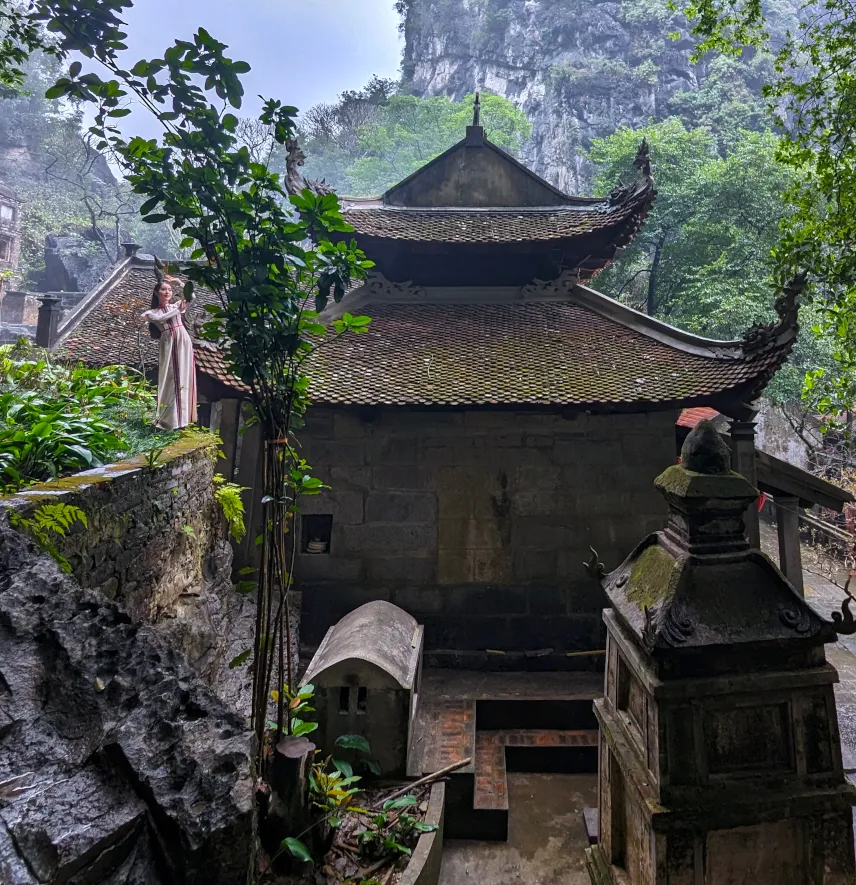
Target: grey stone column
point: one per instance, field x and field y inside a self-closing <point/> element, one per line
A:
<point x="743" y="462"/>
<point x="250" y="474"/>
<point x="790" y="555"/>
<point x="225" y="418"/>
<point x="50" y="312"/>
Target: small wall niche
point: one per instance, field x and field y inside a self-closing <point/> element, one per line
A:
<point x="316" y="531"/>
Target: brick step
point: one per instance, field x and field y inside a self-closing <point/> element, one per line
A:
<point x="443" y="735"/>
<point x="477" y="715"/>
<point x="535" y="750"/>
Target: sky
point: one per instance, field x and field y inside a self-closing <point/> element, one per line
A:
<point x="301" y="51"/>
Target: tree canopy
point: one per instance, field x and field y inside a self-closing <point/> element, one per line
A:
<point x="374" y="138"/>
<point x="703" y="260"/>
<point x="811" y="93"/>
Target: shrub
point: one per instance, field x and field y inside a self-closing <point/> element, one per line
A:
<point x="57" y="419"/>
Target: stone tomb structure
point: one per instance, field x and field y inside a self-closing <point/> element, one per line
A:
<point x="720" y="759"/>
<point x="366" y="675"/>
<point x="499" y="417"/>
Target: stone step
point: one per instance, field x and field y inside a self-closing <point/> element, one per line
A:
<point x="447" y="684"/>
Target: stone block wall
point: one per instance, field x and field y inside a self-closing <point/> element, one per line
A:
<point x="478" y="523"/>
<point x="156" y="544"/>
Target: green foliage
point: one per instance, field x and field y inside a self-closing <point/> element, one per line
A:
<point x="153" y="457"/>
<point x="296" y="704"/>
<point x="332" y="788"/>
<point x="297" y="849"/>
<point x="228" y="496"/>
<point x="392" y="831"/>
<point x="48" y="521"/>
<point x="333" y="792"/>
<point x="57" y="419"/>
<point x="66" y="185"/>
<point x="811" y="93"/>
<point x="374" y="139"/>
<point x="240" y="658"/>
<point x="703" y="259"/>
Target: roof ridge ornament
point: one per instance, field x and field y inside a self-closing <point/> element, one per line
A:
<point x="762" y="337"/>
<point x="475" y="133"/>
<point x="560" y="287"/>
<point x="294" y="180"/>
<point x="380" y="287"/>
<point x="642" y="160"/>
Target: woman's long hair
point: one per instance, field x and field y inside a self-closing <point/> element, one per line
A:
<point x="154" y="328"/>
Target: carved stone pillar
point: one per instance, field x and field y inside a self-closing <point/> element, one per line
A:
<point x="743" y="462"/>
<point x="788" y="524"/>
<point x="720" y="760"/>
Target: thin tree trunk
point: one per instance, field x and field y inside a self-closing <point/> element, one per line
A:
<point x="651" y="301"/>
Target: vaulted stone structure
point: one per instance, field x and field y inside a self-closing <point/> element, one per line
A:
<point x="720" y="759"/>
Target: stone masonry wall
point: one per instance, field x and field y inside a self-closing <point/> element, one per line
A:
<point x="156" y="544"/>
<point x="478" y="524"/>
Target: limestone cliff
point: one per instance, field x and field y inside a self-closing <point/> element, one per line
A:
<point x="579" y="69"/>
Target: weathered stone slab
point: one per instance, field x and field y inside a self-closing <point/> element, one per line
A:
<point x="63" y="826"/>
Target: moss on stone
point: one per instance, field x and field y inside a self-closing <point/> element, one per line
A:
<point x="189" y="443"/>
<point x="651" y="578"/>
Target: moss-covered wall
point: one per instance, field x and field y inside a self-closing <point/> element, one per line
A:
<point x="155" y="542"/>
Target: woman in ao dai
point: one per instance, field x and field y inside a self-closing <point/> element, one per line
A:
<point x="177" y="368"/>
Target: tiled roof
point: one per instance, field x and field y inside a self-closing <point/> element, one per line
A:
<point x="453" y="225"/>
<point x="6" y="191"/>
<point x="210" y="361"/>
<point x="515" y="353"/>
<point x="690" y="417"/>
<point x="532" y="352"/>
<point x="110" y="330"/>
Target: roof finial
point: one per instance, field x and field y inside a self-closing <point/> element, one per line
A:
<point x="477" y="111"/>
<point x="643" y="159"/>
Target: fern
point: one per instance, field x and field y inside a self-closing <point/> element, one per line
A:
<point x="228" y="496"/>
<point x="46" y="522"/>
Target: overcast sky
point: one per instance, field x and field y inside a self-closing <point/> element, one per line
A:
<point x="301" y="51"/>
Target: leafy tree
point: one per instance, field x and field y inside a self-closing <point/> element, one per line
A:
<point x="330" y="133"/>
<point x="373" y="139"/>
<point x="703" y="259"/>
<point x="66" y="185"/>
<point x="725" y="104"/>
<point x="651" y="266"/>
<point x="812" y="95"/>
<point x="267" y="255"/>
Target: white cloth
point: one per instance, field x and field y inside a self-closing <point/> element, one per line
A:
<point x="176" y="370"/>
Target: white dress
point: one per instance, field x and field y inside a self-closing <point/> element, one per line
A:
<point x="176" y="370"/>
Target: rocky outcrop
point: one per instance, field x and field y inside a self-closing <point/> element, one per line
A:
<point x="578" y="69"/>
<point x="155" y="542"/>
<point x="77" y="262"/>
<point x="117" y="764"/>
